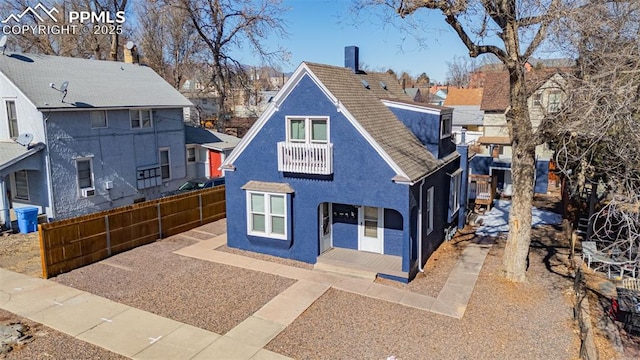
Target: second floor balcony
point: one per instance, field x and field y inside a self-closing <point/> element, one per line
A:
<point x="305" y="158"/>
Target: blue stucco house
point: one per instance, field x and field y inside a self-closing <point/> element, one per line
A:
<point x="344" y="160"/>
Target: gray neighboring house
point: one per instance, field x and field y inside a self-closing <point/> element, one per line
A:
<point x="104" y="134"/>
<point x="206" y="150"/>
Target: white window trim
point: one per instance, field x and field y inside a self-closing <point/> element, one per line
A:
<point x="93" y="182"/>
<point x="267" y="215"/>
<point x="307" y="128"/>
<point x="429" y="208"/>
<point x="444" y="135"/>
<point x="140" y="119"/>
<point x="106" y="120"/>
<point x="195" y="152"/>
<point x="168" y="150"/>
<point x="14" y="188"/>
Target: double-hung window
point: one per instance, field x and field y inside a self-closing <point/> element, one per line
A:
<point x="191" y="154"/>
<point x="310" y="130"/>
<point x="454" y="193"/>
<point x="84" y="168"/>
<point x="267" y="214"/>
<point x="428" y="210"/>
<point x="12" y="117"/>
<point x="21" y="185"/>
<point x="98" y="119"/>
<point x="165" y="164"/>
<point x="141" y="118"/>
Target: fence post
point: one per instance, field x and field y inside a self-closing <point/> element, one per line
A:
<point x="200" y="206"/>
<point x="159" y="222"/>
<point x="106" y="225"/>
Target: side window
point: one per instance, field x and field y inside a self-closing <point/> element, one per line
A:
<point x="21" y="185"/>
<point x="12" y="118"/>
<point x="98" y="119"/>
<point x="165" y="164"/>
<point x="141" y="118"/>
<point x="428" y="209"/>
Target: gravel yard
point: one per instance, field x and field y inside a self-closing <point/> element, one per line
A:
<point x="207" y="295"/>
<point x="503" y="321"/>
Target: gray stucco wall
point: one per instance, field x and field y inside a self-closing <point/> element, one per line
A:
<point x="117" y="151"/>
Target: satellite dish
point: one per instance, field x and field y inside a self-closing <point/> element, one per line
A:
<point x="63" y="87"/>
<point x="130" y="45"/>
<point x="24" y="139"/>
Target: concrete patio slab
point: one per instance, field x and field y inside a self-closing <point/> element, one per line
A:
<point x="184" y="343"/>
<point x="79" y="313"/>
<point x="228" y="349"/>
<point x="292" y="272"/>
<point x="255" y="331"/>
<point x="233" y="259"/>
<point x="130" y="332"/>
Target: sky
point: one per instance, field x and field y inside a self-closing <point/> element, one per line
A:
<point x="319" y="30"/>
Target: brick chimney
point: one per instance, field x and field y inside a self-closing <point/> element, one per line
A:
<point x="352" y="58"/>
<point x="130" y="55"/>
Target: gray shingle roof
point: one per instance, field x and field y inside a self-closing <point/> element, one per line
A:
<point x="92" y="83"/>
<point x="383" y="126"/>
<point x="10" y="152"/>
<point x="209" y="138"/>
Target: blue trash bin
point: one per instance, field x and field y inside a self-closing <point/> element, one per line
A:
<point x="27" y="219"/>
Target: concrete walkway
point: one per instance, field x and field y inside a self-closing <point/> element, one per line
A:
<point x="142" y="335"/>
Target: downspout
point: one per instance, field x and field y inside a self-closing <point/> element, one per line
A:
<point x="52" y="205"/>
<point x="420" y="268"/>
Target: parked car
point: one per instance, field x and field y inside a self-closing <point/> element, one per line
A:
<point x="196" y="184"/>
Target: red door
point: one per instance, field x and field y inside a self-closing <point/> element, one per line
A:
<point x="215" y="160"/>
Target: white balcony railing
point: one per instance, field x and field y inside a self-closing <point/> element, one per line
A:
<point x="305" y="158"/>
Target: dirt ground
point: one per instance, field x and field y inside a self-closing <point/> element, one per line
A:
<point x="548" y="282"/>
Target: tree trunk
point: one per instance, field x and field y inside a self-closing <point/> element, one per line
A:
<point x="523" y="173"/>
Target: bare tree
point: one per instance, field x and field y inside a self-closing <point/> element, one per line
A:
<point x="512" y="30"/>
<point x="168" y="41"/>
<point x="460" y="69"/>
<point x="225" y="25"/>
<point x="596" y="137"/>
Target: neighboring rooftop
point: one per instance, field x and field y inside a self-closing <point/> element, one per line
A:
<point x="457" y="97"/>
<point x="495" y="95"/>
<point x="209" y="139"/>
<point x="92" y="83"/>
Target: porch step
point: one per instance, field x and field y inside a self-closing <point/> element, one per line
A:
<point x="328" y="267"/>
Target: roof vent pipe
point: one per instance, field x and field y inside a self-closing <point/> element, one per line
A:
<point x="352" y="58"/>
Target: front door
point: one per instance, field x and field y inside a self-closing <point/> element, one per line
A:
<point x="370" y="229"/>
<point x="215" y="160"/>
<point x="324" y="219"/>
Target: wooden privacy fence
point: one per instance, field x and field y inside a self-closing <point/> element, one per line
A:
<point x="69" y="244"/>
